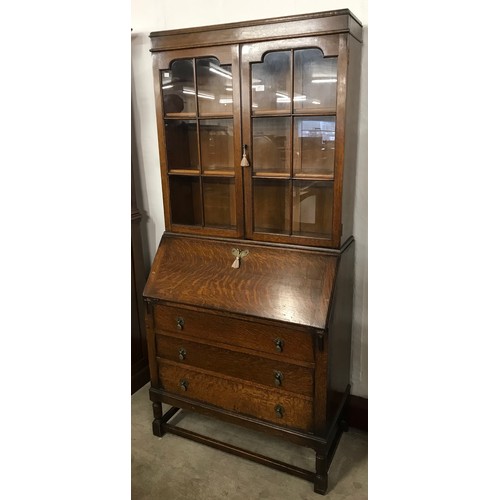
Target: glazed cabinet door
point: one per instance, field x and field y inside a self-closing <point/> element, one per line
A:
<point x="199" y="129"/>
<point x="290" y="100"/>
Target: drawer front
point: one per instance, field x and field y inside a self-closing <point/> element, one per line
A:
<point x="289" y="343"/>
<point x="276" y="374"/>
<point x="234" y="395"/>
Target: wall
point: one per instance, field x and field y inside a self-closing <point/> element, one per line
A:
<point x="156" y="15"/>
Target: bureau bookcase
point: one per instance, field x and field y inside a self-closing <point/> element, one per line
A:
<point x="249" y="298"/>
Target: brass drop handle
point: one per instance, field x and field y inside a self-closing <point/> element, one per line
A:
<point x="279" y="411"/>
<point x="182" y="354"/>
<point x="183" y="384"/>
<point x="278" y="344"/>
<point x="180" y="323"/>
<point x="278" y="378"/>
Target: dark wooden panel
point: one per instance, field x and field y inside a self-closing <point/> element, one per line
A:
<point x="339" y="332"/>
<point x="358" y="413"/>
<point x="234" y="332"/>
<point x="139" y="349"/>
<point x="234" y="395"/>
<point x="136" y="350"/>
<point x="256" y="369"/>
<point x="286" y="285"/>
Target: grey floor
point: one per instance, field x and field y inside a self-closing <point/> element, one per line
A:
<point x="174" y="468"/>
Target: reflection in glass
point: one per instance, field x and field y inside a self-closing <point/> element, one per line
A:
<point x="312" y="208"/>
<point x="314" y="145"/>
<point x="177" y="85"/>
<point x="219" y="202"/>
<point x="217" y="148"/>
<point x="271" y="145"/>
<point x="271" y="83"/>
<point x="215" y="87"/>
<point x="185" y="199"/>
<point x="271" y="206"/>
<point x="315" y="80"/>
<point x="182" y="144"/>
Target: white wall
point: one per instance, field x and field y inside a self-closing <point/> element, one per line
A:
<point x="157" y="15"/>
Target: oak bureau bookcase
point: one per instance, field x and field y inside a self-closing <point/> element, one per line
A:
<point x="249" y="299"/>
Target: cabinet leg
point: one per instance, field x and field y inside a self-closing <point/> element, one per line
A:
<point x="321" y="479"/>
<point x="157" y="413"/>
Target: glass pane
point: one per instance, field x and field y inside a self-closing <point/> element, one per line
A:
<point x="271" y="145"/>
<point x="271" y="83"/>
<point x="271" y="206"/>
<point x="315" y="80"/>
<point x="312" y="208"/>
<point x="182" y="144"/>
<point x="314" y="145"/>
<point x="219" y="202"/>
<point x="217" y="149"/>
<point x="215" y="87"/>
<point x="177" y="85"/>
<point x="185" y="200"/>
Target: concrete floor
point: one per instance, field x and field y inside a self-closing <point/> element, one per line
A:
<point x="174" y="468"/>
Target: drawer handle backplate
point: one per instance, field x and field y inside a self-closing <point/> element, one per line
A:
<point x="182" y="354"/>
<point x="278" y="345"/>
<point x="279" y="411"/>
<point x="183" y="384"/>
<point x="180" y="323"/>
<point x="278" y="378"/>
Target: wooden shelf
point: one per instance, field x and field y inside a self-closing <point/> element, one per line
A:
<point x="194" y="116"/>
<point x="218" y="173"/>
<point x="211" y="116"/>
<point x="176" y="116"/>
<point x="316" y="111"/>
<point x="315" y="177"/>
<point x="299" y="112"/>
<point x="271" y="112"/>
<point x="305" y="177"/>
<point x="271" y="175"/>
<point x="181" y="171"/>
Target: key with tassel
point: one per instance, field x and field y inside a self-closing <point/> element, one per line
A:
<point x="238" y="255"/>
<point x="244" y="160"/>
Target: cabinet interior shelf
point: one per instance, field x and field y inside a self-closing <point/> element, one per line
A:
<point x="301" y="112"/>
<point x="192" y="116"/>
<point x="280" y="175"/>
<point x="206" y="173"/>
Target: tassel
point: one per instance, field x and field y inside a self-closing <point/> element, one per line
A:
<point x="244" y="161"/>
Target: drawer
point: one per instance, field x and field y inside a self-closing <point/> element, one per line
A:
<point x="293" y="344"/>
<point x="272" y="405"/>
<point x="290" y="377"/>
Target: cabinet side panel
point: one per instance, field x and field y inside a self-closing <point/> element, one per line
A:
<point x="339" y="335"/>
<point x="351" y="135"/>
<point x="160" y="124"/>
<point x="151" y="339"/>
